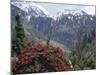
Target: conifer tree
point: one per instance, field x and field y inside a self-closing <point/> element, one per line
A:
<point x="20" y="35"/>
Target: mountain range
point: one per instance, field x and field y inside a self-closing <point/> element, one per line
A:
<point x="64" y="26"/>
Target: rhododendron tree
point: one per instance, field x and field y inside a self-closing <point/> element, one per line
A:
<point x="41" y="58"/>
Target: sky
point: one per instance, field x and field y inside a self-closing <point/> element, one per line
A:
<point x="89" y="2"/>
<point x="53" y="8"/>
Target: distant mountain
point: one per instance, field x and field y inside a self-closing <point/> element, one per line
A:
<point x="27" y="10"/>
<point x="69" y="23"/>
<point x="64" y="25"/>
<point x="30" y="8"/>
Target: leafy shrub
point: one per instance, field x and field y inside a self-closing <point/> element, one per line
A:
<point x="83" y="62"/>
<point x="40" y="58"/>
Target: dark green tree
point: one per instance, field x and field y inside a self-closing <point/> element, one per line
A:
<point x="20" y="36"/>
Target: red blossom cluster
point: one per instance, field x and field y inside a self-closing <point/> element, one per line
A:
<point x="25" y="56"/>
<point x="47" y="58"/>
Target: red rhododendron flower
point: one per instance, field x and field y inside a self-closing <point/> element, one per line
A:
<point x="21" y="55"/>
<point x="38" y="46"/>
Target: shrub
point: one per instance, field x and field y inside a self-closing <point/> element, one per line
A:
<point x="41" y="58"/>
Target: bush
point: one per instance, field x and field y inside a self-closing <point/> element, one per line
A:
<point x="40" y="58"/>
<point x="83" y="62"/>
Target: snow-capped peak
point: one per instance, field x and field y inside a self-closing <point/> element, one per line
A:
<point x="72" y="12"/>
<point x="44" y="10"/>
<point x="30" y="6"/>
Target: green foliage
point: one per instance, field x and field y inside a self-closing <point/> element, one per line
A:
<point x="83" y="56"/>
<point x="81" y="62"/>
<point x="18" y="42"/>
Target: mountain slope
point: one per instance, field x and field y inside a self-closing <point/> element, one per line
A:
<point x="30" y="8"/>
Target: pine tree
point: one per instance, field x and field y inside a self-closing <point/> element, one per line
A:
<point x="20" y="35"/>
